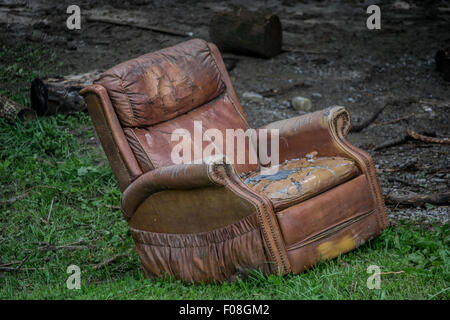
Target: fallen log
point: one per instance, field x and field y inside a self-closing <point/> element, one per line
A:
<point x="247" y="32"/>
<point x="12" y="111"/>
<point x="60" y="95"/>
<point x="414" y="199"/>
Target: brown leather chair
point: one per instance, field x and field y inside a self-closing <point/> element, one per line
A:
<point x="214" y="221"/>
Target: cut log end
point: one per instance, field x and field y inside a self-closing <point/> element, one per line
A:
<point x="273" y="40"/>
<point x="60" y="95"/>
<point x="26" y="114"/>
<point x="39" y="96"/>
<point x="247" y="32"/>
<point x="13" y="111"/>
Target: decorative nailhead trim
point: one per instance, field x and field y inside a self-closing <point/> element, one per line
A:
<point x="280" y="254"/>
<point x="371" y="176"/>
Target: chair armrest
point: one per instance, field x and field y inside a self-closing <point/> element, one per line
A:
<point x="324" y="131"/>
<point x="216" y="173"/>
<point x="183" y="176"/>
<point x="315" y="131"/>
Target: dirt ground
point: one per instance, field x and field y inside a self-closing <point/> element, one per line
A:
<point x="328" y="48"/>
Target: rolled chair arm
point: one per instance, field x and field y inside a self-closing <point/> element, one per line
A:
<point x="216" y="173"/>
<point x="183" y="176"/>
<point x="324" y="131"/>
<point x="311" y="132"/>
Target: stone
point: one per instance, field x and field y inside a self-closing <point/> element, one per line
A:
<point x="252" y="96"/>
<point x="301" y="104"/>
<point x="316" y="95"/>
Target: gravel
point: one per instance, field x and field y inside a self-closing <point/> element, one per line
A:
<point x="435" y="215"/>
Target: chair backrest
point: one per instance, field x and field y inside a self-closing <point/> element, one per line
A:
<point x="170" y="89"/>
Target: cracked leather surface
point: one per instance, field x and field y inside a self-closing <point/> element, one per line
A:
<point x="300" y="179"/>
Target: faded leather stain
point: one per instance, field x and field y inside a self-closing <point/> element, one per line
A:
<point x="331" y="249"/>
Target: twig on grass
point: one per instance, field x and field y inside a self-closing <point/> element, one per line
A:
<point x="69" y="246"/>
<point x="108" y="261"/>
<point x="25" y="194"/>
<point x="74" y="226"/>
<point x="9" y="263"/>
<point x="49" y="213"/>
<point x="9" y="269"/>
<point x="6" y="267"/>
<point x="17" y="198"/>
<point x="392" y="272"/>
<point x="112" y="207"/>
<point x="64" y="247"/>
<point x="21" y="263"/>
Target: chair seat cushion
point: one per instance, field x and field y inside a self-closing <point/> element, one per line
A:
<point x="299" y="179"/>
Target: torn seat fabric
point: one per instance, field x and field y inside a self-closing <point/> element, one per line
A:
<point x="300" y="179"/>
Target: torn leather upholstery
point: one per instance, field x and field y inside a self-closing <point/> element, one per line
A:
<point x="162" y="85"/>
<point x="219" y="220"/>
<point x="297" y="180"/>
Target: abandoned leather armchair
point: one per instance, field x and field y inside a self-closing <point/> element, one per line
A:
<point x="216" y="220"/>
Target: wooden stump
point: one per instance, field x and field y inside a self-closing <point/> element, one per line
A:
<point x="442" y="59"/>
<point x="12" y="111"/>
<point x="254" y="33"/>
<point x="60" y="95"/>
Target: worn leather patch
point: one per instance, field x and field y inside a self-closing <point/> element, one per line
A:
<point x="156" y="144"/>
<point x="162" y="85"/>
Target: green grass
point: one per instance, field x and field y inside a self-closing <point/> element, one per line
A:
<point x="57" y="160"/>
<point x="19" y="65"/>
